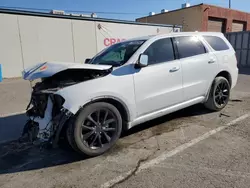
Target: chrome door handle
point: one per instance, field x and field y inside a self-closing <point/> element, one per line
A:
<point x="174" y="69"/>
<point x="211" y="61"/>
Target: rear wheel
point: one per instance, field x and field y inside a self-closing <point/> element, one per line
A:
<point x="219" y="94"/>
<point x="96" y="129"/>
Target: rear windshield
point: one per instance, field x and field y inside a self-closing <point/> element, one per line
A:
<point x="216" y="43"/>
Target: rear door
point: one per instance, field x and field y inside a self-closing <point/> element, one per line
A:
<point x="198" y="66"/>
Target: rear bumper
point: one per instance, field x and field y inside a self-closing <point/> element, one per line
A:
<point x="234" y="75"/>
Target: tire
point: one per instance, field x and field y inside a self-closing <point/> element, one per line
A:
<point x="215" y="99"/>
<point x="98" y="134"/>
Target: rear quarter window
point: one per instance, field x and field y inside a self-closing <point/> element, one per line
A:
<point x="217" y="43"/>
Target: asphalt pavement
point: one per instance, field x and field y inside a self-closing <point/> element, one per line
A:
<point x="14" y="97"/>
<point x="189" y="148"/>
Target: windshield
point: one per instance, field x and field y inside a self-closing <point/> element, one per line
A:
<point x="118" y="54"/>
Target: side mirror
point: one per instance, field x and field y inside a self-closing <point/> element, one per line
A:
<point x="142" y="61"/>
<point x="87" y="60"/>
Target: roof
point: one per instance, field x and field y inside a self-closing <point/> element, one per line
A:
<point x="175" y="34"/>
<point x="193" y="7"/>
<point x="225" y="8"/>
<point x="172" y="11"/>
<point x="49" y="15"/>
<point x="141" y="38"/>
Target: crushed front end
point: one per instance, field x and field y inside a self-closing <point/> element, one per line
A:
<point x="46" y="115"/>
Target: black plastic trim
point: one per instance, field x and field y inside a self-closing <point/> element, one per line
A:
<point x="176" y="52"/>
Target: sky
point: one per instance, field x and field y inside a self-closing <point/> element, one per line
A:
<point x="118" y="9"/>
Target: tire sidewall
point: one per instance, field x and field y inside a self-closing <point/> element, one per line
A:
<point x="218" y="81"/>
<point x="82" y="116"/>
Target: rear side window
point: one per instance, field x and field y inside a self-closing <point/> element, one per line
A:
<point x="160" y="51"/>
<point x="189" y="46"/>
<point x="216" y="43"/>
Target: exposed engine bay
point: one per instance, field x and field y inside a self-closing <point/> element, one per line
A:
<point x="45" y="109"/>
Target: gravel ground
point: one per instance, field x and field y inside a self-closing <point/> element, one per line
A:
<point x="155" y="154"/>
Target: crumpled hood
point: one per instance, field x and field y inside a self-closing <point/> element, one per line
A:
<point x="47" y="69"/>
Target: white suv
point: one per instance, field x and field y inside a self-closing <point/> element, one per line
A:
<point x="127" y="84"/>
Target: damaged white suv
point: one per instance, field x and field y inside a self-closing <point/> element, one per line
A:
<point x="127" y="84"/>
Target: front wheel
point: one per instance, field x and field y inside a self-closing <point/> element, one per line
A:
<point x="96" y="129"/>
<point x="219" y="94"/>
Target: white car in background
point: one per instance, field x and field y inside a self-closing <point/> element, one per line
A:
<point x="126" y="84"/>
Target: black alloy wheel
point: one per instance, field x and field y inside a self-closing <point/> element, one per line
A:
<point x="221" y="94"/>
<point x="96" y="129"/>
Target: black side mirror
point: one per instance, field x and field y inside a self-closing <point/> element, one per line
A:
<point x="87" y="60"/>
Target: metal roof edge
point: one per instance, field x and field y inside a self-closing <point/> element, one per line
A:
<point x="171" y="11"/>
<point x="231" y="9"/>
<point x="44" y="14"/>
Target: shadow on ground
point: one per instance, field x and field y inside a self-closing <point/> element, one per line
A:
<point x="15" y="157"/>
<point x="11" y="127"/>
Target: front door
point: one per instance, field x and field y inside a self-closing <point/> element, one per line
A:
<point x="159" y="85"/>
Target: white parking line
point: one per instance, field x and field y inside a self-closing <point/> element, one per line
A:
<point x="175" y="151"/>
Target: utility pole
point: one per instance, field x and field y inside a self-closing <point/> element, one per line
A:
<point x="229" y="3"/>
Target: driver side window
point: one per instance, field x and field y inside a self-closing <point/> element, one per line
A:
<point x="160" y="51"/>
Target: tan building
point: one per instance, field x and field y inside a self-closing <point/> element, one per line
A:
<point x="28" y="38"/>
<point x="202" y="17"/>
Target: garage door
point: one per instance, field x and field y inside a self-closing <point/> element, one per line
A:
<point x="238" y="26"/>
<point x="216" y="25"/>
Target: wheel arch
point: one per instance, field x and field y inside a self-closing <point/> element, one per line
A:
<point x="118" y="103"/>
<point x="224" y="74"/>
